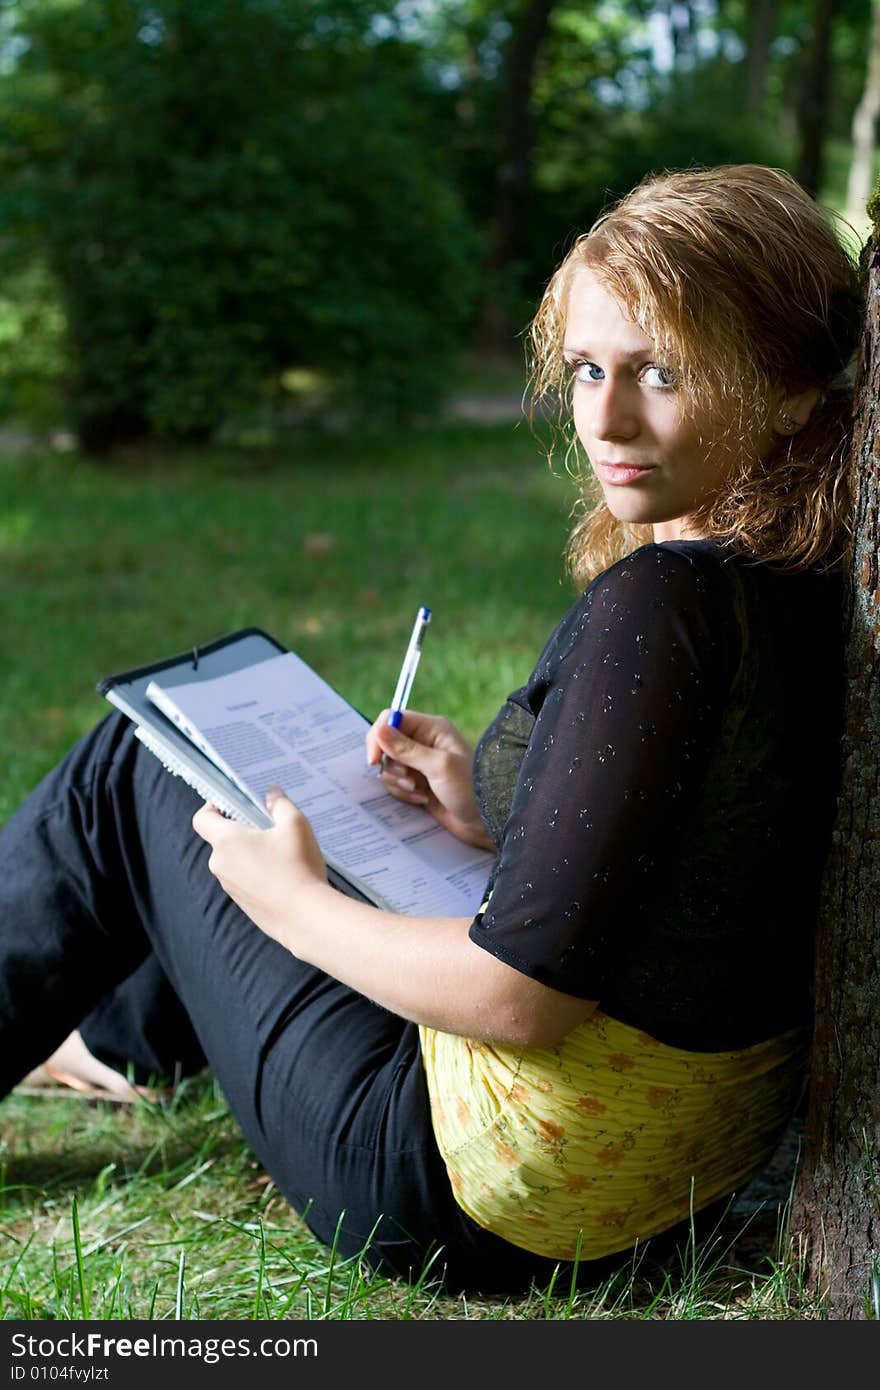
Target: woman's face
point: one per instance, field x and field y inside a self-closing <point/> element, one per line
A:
<point x="655" y="466"/>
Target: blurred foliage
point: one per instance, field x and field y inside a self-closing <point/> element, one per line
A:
<point x="204" y="201"/>
<point x="32" y="345"/>
<point x="684" y="118"/>
<point x="224" y="189"/>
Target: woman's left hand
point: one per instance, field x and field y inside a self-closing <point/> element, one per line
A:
<point x="263" y="870"/>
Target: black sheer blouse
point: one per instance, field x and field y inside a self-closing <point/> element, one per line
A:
<point x="661" y="792"/>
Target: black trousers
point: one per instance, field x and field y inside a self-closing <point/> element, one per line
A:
<point x="110" y="921"/>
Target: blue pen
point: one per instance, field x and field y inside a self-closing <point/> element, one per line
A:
<point x="407" y="672"/>
<point x="408" y="669"/>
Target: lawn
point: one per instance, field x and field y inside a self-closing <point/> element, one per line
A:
<point x="330" y="542"/>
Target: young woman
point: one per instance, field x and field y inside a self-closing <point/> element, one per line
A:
<point x="619" y="1037"/>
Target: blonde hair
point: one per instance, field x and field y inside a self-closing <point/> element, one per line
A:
<point x="742" y="283"/>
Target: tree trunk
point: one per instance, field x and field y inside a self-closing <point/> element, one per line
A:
<point x="514" y="176"/>
<point x="864" y="127"/>
<point x="836" y="1209"/>
<point x="761" y="30"/>
<point x="812" y="112"/>
<point x="682" y="29"/>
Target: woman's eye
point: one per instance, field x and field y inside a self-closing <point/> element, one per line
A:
<point x="587" y="371"/>
<point x="662" y="377"/>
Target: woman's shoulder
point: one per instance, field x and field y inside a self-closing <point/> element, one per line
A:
<point x="703" y="591"/>
<point x="670" y="557"/>
<point x="704" y="573"/>
<point x="664" y="574"/>
<point x="711" y="586"/>
<point x="669" y="582"/>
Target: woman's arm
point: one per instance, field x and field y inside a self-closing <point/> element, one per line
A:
<point x="628" y="700"/>
<point x="425" y="969"/>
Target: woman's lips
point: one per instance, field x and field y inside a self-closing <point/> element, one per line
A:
<point x="619" y="473"/>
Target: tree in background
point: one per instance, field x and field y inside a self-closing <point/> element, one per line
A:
<point x="513" y="178"/>
<point x="582" y="107"/>
<point x="864" y="126"/>
<point x="761" y="20"/>
<point x="814" y="97"/>
<point x="224" y="190"/>
<point x="199" y="197"/>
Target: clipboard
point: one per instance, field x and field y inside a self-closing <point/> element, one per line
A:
<point x="234" y="652"/>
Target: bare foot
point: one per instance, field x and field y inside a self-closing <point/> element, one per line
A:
<point x="73" y="1065"/>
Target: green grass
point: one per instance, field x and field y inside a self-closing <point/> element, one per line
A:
<point x="160" y="1211"/>
<point x="330" y="543"/>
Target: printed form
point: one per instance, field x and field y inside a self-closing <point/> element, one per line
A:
<point x="279" y="724"/>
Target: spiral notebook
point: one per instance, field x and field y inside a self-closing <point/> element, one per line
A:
<point x="241" y="713"/>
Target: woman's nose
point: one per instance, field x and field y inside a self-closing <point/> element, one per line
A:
<point x="614" y="415"/>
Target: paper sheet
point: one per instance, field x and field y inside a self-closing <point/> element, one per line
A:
<point x="278" y="723"/>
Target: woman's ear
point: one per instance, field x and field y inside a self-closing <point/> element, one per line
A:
<point x="795" y="410"/>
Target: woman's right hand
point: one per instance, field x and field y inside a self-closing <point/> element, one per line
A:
<point x="428" y="763"/>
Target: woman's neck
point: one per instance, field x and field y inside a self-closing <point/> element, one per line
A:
<point x="676" y="530"/>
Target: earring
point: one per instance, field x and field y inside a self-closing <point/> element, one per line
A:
<point x="788" y="424"/>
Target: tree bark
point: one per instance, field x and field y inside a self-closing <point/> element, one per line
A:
<point x="761" y="31"/>
<point x="864" y="127"/>
<point x="812" y="109"/>
<point x="514" y="176"/>
<point x="836" y="1210"/>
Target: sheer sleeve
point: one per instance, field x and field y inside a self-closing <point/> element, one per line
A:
<point x="615" y="731"/>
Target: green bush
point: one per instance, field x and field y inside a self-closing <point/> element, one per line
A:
<point x="224" y="190"/>
<point x="32" y="343"/>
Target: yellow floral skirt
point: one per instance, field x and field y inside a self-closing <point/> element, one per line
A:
<point x="607" y="1139"/>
